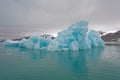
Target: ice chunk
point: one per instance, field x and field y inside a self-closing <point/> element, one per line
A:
<point x="35" y="42"/>
<point x="95" y="39"/>
<point x="53" y="46"/>
<point x="11" y="43"/>
<point x="76" y="37"/>
<point x="76" y="34"/>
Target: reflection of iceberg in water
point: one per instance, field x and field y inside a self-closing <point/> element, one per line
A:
<point x="76" y="37"/>
<point x="79" y="61"/>
<point x="95" y="54"/>
<point x="74" y="63"/>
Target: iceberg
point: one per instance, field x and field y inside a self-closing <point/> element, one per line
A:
<point x="75" y="38"/>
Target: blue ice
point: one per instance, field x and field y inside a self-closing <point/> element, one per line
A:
<point x="76" y="37"/>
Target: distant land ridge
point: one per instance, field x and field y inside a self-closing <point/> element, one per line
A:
<point x="110" y="37"/>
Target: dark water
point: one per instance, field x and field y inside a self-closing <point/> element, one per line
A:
<point x="94" y="64"/>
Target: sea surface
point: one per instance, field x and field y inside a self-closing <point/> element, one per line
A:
<point x="94" y="64"/>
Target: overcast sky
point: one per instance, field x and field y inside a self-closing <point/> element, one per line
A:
<point x="52" y="16"/>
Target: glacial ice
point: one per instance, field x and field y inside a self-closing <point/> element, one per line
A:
<point x="76" y="37"/>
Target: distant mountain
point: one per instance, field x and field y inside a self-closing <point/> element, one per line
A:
<point x="109" y="37"/>
<point x="44" y="35"/>
<point x="101" y="33"/>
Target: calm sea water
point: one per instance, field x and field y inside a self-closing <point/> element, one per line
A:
<point x="94" y="64"/>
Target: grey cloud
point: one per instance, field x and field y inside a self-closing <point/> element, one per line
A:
<point x="50" y="16"/>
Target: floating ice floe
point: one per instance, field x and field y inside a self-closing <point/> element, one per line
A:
<point x="76" y="37"/>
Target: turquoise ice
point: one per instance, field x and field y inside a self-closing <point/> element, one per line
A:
<point x="76" y="37"/>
